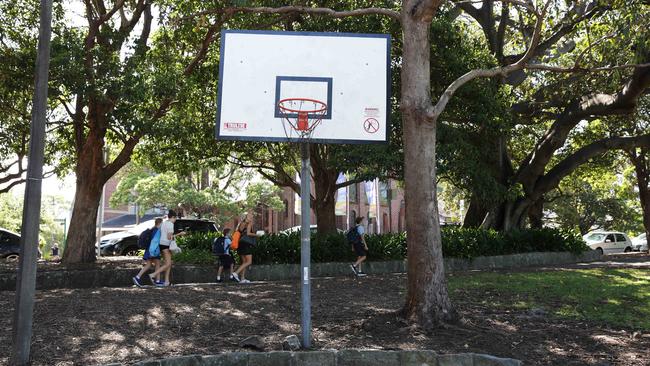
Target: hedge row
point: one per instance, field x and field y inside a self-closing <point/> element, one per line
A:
<point x="456" y="242"/>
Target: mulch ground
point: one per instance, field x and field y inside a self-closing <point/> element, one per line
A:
<point x="103" y="325"/>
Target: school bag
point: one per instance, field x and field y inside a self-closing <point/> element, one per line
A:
<point x="154" y="247"/>
<point x="235" y="240"/>
<point x="353" y="236"/>
<point x="145" y="239"/>
<point x="218" y="246"/>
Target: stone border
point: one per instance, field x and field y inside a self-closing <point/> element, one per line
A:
<point x="46" y="280"/>
<point x="334" y="358"/>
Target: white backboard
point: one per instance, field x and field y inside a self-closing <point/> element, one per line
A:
<point x="348" y="72"/>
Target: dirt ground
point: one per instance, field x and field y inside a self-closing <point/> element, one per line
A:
<point x="103" y="325"/>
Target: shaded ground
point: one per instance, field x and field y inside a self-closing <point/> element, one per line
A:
<point x="92" y="326"/>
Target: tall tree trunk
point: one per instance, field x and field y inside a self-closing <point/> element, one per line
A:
<point x="427" y="299"/>
<point x="80" y="242"/>
<point x="536" y="214"/>
<point x="325" y="214"/>
<point x="205" y="179"/>
<point x="642" y="171"/>
<point x="324" y="202"/>
<point x="476" y="212"/>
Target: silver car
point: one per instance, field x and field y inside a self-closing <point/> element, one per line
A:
<point x="607" y="242"/>
<point x="640" y="243"/>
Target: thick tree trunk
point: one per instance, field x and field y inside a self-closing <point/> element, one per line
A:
<point x="643" y="179"/>
<point x="536" y="214"/>
<point x="80" y="242"/>
<point x="427" y="299"/>
<point x="324" y="202"/>
<point x="325" y="215"/>
<point x="205" y="179"/>
<point x="476" y="213"/>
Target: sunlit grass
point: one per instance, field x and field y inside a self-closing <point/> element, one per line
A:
<point x="618" y="297"/>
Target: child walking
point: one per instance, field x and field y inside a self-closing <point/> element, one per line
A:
<point x="221" y="249"/>
<point x="151" y="256"/>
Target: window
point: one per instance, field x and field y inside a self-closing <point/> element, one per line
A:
<point x="353" y="192"/>
<point x="353" y="217"/>
<point x="286" y="208"/>
<point x="609" y="238"/>
<point x="383" y="193"/>
<point x="620" y="237"/>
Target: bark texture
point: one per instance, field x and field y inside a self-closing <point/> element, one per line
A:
<point x="639" y="158"/>
<point x="427" y="299"/>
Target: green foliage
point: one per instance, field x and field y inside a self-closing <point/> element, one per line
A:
<point x="474" y="242"/>
<point x="11" y="208"/>
<point x="168" y="190"/>
<point x="597" y="196"/>
<point x="456" y="242"/>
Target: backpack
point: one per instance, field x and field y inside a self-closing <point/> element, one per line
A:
<point x="145" y="239"/>
<point x="353" y="236"/>
<point x="154" y="248"/>
<point x="235" y="240"/>
<point x="217" y="246"/>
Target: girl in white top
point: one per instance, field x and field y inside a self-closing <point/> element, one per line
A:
<point x="166" y="237"/>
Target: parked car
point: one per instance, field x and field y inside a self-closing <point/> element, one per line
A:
<point x="9" y="245"/>
<point x="126" y="242"/>
<point x="607" y="242"/>
<point x="640" y="243"/>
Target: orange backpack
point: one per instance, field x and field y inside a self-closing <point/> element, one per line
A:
<point x="235" y="240"/>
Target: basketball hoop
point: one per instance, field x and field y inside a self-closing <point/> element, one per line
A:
<point x="302" y="115"/>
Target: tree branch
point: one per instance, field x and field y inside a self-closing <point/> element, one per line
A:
<point x="295" y="9"/>
<point x="552" y="179"/>
<point x="435" y="111"/>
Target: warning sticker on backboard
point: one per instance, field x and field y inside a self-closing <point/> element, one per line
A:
<point x="235" y="126"/>
<point x="371" y="112"/>
<point x="371" y="125"/>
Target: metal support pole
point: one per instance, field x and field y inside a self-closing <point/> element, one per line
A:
<point x="26" y="281"/>
<point x="305" y="249"/>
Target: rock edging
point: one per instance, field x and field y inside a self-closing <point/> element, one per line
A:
<point x="89" y="278"/>
<point x="334" y="358"/>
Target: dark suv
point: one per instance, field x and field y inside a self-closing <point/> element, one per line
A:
<point x="126" y="242"/>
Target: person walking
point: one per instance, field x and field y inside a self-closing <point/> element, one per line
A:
<point x="244" y="248"/>
<point x="221" y="249"/>
<point x="357" y="238"/>
<point x="151" y="256"/>
<point x="167" y="236"/>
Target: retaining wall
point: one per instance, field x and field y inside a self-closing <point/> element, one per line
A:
<point x="335" y="358"/>
<point x="196" y="274"/>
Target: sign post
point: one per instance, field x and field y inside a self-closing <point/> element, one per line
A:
<point x="26" y="281"/>
<point x="305" y="244"/>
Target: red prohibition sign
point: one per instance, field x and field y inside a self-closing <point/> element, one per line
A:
<point x="371" y="125"/>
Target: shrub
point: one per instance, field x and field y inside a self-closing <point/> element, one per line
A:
<point x="456" y="242"/>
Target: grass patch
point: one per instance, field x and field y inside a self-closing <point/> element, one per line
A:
<point x="618" y="297"/>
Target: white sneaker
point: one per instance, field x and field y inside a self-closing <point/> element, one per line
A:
<point x="244" y="281"/>
<point x="234" y="277"/>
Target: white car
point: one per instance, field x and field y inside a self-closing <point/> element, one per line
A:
<point x="640" y="243"/>
<point x="607" y="242"/>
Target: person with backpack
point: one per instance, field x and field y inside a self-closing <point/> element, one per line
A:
<point x="149" y="240"/>
<point x="243" y="241"/>
<point x="167" y="240"/>
<point x="357" y="238"/>
<point x="221" y="249"/>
